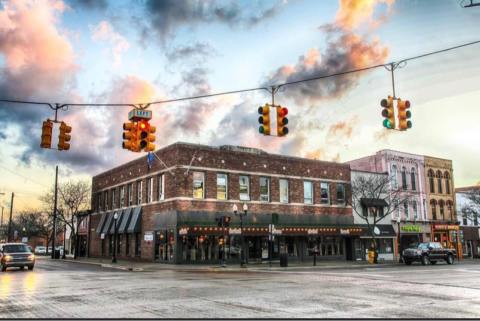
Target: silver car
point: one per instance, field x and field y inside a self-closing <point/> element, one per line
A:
<point x="16" y="255"/>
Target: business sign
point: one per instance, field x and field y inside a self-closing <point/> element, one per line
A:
<point x="183" y="231"/>
<point x="24" y="239"/>
<point x="102" y="236"/>
<point x="312" y="231"/>
<point x="411" y="228"/>
<point x="445" y="227"/>
<point x="234" y="231"/>
<point x="148" y="236"/>
<point x="344" y="231"/>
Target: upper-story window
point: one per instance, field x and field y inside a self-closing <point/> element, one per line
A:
<point x="130" y="194"/>
<point x="415" y="210"/>
<point x="198" y="185"/>
<point x="413" y="179"/>
<point x="264" y="189"/>
<point x="340" y="193"/>
<point x="433" y="205"/>
<point x="122" y="196"/>
<point x="439" y="180"/>
<point x="99" y="201"/>
<point x="405" y="210"/>
<point x="283" y="190"/>
<point x="139" y="192"/>
<point x="113" y="205"/>
<point x="475" y="219"/>
<point x="307" y="192"/>
<point x="404" y="178"/>
<point x="244" y="190"/>
<point x="149" y="189"/>
<point x="447" y="182"/>
<point x="160" y="187"/>
<point x="222" y="187"/>
<point x="431" y="181"/>
<point x="324" y="193"/>
<point x="465" y="219"/>
<point x="105" y="200"/>
<point x="442" y="209"/>
<point x="394" y="176"/>
<point x="450" y="208"/>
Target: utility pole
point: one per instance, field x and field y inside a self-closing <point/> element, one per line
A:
<point x="54" y="229"/>
<point x="10" y="221"/>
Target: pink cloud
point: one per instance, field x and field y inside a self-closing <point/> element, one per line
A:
<point x="104" y="32"/>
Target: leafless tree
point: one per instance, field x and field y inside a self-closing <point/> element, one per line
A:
<point x="471" y="208"/>
<point x="374" y="197"/>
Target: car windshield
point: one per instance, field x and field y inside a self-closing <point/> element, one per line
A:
<point x="423" y="246"/>
<point x="15" y="248"/>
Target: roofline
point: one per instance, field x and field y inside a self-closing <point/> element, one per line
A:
<point x="369" y="172"/>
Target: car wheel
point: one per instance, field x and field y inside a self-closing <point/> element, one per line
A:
<point x="30" y="267"/>
<point x="450" y="259"/>
<point x="4" y="268"/>
<point x="425" y="260"/>
<point x="22" y="267"/>
<point x="408" y="262"/>
<point x="433" y="262"/>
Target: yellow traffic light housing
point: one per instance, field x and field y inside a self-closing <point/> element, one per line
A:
<point x="388" y="113"/>
<point x="130" y="137"/>
<point x="150" y="139"/>
<point x="47" y="128"/>
<point x="64" y="137"/>
<point x="403" y="114"/>
<point x="282" y="121"/>
<point x="264" y="119"/>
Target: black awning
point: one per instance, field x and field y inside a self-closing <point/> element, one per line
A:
<point x="125" y="221"/>
<point x="119" y="221"/>
<point x="373" y="202"/>
<point x="135" y="220"/>
<point x="108" y="223"/>
<point x="101" y="223"/>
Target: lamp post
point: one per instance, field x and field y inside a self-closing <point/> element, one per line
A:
<point x="115" y="218"/>
<point x="398" y="240"/>
<point x="241" y="215"/>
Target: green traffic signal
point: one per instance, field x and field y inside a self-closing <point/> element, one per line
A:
<point x="261" y="130"/>
<point x="387" y="124"/>
<point x="409" y="124"/>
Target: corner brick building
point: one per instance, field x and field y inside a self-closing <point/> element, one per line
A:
<point x="168" y="211"/>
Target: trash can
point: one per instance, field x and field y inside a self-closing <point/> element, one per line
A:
<point x="56" y="254"/>
<point x="284" y="260"/>
<point x="371" y="256"/>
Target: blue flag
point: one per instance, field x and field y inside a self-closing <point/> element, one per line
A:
<point x="150" y="158"/>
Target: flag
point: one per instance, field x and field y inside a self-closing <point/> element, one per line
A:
<point x="150" y="157"/>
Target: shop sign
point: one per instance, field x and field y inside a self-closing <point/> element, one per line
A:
<point x="183" y="231"/>
<point x="277" y="232"/>
<point x="234" y="231"/>
<point x="102" y="236"/>
<point x="445" y="227"/>
<point x="411" y="228"/>
<point x="148" y="236"/>
<point x="344" y="231"/>
<point x="311" y="231"/>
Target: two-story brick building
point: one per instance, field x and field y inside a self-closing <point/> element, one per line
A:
<point x="167" y="212"/>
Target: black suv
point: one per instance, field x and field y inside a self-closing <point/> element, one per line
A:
<point x="430" y="252"/>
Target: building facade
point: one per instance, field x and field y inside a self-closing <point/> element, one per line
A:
<point x="169" y="211"/>
<point x="468" y="215"/>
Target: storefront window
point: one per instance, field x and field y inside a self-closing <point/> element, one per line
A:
<point x="244" y="182"/>
<point x="221" y="186"/>
<point x="283" y="190"/>
<point x="307" y="192"/>
<point x="264" y="189"/>
<point x="324" y="193"/>
<point x="198" y="185"/>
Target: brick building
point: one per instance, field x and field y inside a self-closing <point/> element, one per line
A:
<point x="167" y="212"/>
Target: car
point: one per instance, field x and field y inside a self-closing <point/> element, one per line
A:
<point x="41" y="250"/>
<point x="428" y="253"/>
<point x="16" y="255"/>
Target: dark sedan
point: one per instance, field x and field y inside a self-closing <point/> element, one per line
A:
<point x="16" y="255"/>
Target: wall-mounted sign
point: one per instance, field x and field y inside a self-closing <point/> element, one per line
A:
<point x="411" y="228"/>
<point x="344" y="231"/>
<point x="445" y="227"/>
<point x="148" y="236"/>
<point x="234" y="231"/>
<point x="312" y="231"/>
<point x="102" y="236"/>
<point x="183" y="231"/>
<point x="376" y="230"/>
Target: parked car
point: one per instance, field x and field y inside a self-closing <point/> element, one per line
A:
<point x="40" y="250"/>
<point x="429" y="252"/>
<point x="16" y="255"/>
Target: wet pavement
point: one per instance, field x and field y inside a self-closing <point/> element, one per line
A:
<point x="57" y="289"/>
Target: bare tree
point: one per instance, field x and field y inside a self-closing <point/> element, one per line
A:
<point x="374" y="197"/>
<point x="33" y="223"/>
<point x="471" y="208"/>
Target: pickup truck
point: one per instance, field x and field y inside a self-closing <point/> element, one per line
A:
<point x="428" y="253"/>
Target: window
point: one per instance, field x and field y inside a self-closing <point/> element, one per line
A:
<point x="139" y="192"/>
<point x="130" y="194"/>
<point x="324" y="193"/>
<point x="198" y="185"/>
<point x="264" y="189"/>
<point x="465" y="221"/>
<point x="394" y="176"/>
<point x="405" y="210"/>
<point x="415" y="212"/>
<point x="431" y="182"/>
<point x="447" y="182"/>
<point x="307" y="192"/>
<point x="222" y="188"/>
<point x="413" y="179"/>
<point x="99" y="201"/>
<point x="404" y="178"/>
<point x="105" y="200"/>
<point x="122" y="196"/>
<point x="160" y="185"/>
<point x="433" y="204"/>
<point x="340" y="193"/>
<point x="149" y="189"/>
<point x="244" y="188"/>
<point x="475" y="219"/>
<point x="283" y="190"/>
<point x="114" y="205"/>
<point x="397" y="207"/>
<point x="439" y="180"/>
<point x="442" y="210"/>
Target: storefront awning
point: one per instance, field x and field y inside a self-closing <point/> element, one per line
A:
<point x="108" y="223"/>
<point x="125" y="221"/>
<point x="101" y="223"/>
<point x="119" y="221"/>
<point x="373" y="202"/>
<point x="135" y="220"/>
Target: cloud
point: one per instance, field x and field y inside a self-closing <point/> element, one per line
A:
<point x="342" y="130"/>
<point x="353" y="13"/>
<point x="89" y="4"/>
<point x="104" y="32"/>
<point x="197" y="50"/>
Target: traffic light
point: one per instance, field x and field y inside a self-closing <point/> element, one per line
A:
<point x="64" y="137"/>
<point x="264" y="119"/>
<point x="388" y="113"/>
<point x="403" y="114"/>
<point x="130" y="137"/>
<point x="47" y="134"/>
<point x="282" y="121"/>
<point x="147" y="136"/>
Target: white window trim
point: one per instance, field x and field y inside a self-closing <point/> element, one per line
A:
<point x="226" y="186"/>
<point x="161" y="192"/>
<point x="139" y="193"/>
<point x="113" y="199"/>
<point x="203" y="185"/>
<point x="122" y="196"/>
<point x="268" y="189"/>
<point x="328" y="193"/>
<point x="311" y="192"/>
<point x="248" y="188"/>
<point x="280" y="190"/>
<point x="149" y="189"/>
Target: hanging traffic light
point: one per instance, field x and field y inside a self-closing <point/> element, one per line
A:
<point x="264" y="119"/>
<point x="388" y="113"/>
<point x="130" y="137"/>
<point x="282" y="121"/>
<point x="47" y="128"/>
<point x="64" y="137"/>
<point x="146" y="135"/>
<point x="403" y="114"/>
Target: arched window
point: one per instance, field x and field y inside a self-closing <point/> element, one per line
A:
<point x="439" y="180"/>
<point x="413" y="180"/>
<point x="394" y="176"/>
<point x="447" y="182"/>
<point x="404" y="178"/>
<point x="430" y="180"/>
<point x="415" y="212"/>
<point x="449" y="208"/>
<point x="433" y="205"/>
<point x="442" y="209"/>
<point x="405" y="209"/>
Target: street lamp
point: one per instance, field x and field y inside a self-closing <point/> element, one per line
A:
<point x="398" y="239"/>
<point x="115" y="218"/>
<point x="235" y="211"/>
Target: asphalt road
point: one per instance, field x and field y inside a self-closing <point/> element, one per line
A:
<point x="58" y="289"/>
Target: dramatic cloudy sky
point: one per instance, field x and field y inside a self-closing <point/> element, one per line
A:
<point x="140" y="51"/>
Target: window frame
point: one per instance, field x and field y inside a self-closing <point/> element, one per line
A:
<point x="105" y="200"/>
<point x="122" y="196"/>
<point x="193" y="184"/>
<point x="322" y="199"/>
<point x="305" y="190"/>
<point x="267" y="180"/>
<point x="130" y="194"/>
<point x="225" y="176"/>
<point x="341" y="201"/>
<point x="413" y="179"/>
<point x="404" y="179"/>
<point x="280" y="190"/>
<point x="240" y="188"/>
<point x="149" y="189"/>
<point x="139" y="192"/>
<point x="160" y="187"/>
<point x="112" y="203"/>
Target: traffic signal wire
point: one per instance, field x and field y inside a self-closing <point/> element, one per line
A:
<point x="271" y="88"/>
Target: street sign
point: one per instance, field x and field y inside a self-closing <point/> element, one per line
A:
<point x="102" y="236"/>
<point x="136" y="114"/>
<point x="24" y="239"/>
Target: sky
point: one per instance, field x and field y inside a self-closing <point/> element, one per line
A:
<point x="145" y="50"/>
